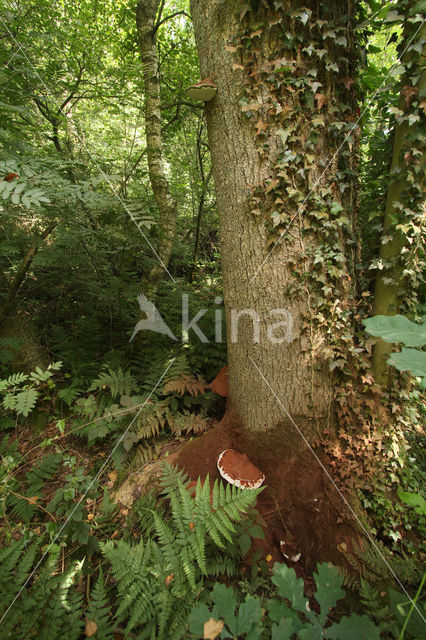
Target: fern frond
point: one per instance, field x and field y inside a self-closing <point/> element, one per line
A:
<point x="99" y="610"/>
<point x="119" y="382"/>
<point x="186" y="384"/>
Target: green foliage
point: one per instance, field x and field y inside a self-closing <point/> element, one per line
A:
<point x="21" y="398"/>
<point x="24" y="505"/>
<point x="397" y="329"/>
<point x="414" y="500"/>
<point x="118" y="382"/>
<point x="158" y="579"/>
<point x="400" y="329"/>
<point x="289" y="616"/>
<point x="99" y="610"/>
<point x="47" y="603"/>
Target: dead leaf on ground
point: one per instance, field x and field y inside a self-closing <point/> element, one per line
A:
<point x="212" y="628"/>
<point x="90" y="628"/>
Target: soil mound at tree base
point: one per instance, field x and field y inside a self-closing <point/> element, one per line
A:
<point x="300" y="505"/>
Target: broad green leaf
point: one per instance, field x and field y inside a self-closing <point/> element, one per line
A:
<point x="329" y="590"/>
<point x="396" y="329"/>
<point x="245" y="543"/>
<point x="249" y="617"/>
<point x="314" y="632"/>
<point x="409" y="360"/>
<point x="279" y="611"/>
<point x="413" y="500"/>
<point x="198" y="616"/>
<point x="256" y="531"/>
<point x="283" y="631"/>
<point x="225" y="601"/>
<point x="289" y="586"/>
<point x="353" y="628"/>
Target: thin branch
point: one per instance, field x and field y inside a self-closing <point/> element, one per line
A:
<point x="172" y="15"/>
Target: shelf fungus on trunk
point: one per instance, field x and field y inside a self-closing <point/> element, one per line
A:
<point x="203" y="90"/>
<point x="237" y="469"/>
<point x="220" y="383"/>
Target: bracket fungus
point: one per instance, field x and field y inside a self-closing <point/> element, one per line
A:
<point x="237" y="469"/>
<point x="220" y="383"/>
<point x="203" y="90"/>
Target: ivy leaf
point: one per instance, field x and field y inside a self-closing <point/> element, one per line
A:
<point x="353" y="628"/>
<point x="342" y="40"/>
<point x="329" y="590"/>
<point x="397" y="70"/>
<point x="284" y="133"/>
<point x="336" y="208"/>
<point x="304" y="17"/>
<point x="321" y="99"/>
<point x="396" y="329"/>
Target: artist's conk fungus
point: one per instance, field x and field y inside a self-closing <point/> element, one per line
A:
<point x="237" y="469"/>
<point x="204" y="90"/>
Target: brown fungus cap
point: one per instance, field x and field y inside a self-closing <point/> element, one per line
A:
<point x="237" y="469"/>
<point x="220" y="383"/>
<point x="204" y="90"/>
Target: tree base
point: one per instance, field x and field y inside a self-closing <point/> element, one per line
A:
<point x="300" y="505"/>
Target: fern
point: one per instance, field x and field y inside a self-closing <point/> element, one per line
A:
<point x="120" y="383"/>
<point x="145" y="453"/>
<point x="186" y="384"/>
<point x="158" y="580"/>
<point x="34" y="482"/>
<point x="375" y="564"/>
<point x="48" y="605"/>
<point x="178" y="368"/>
<point x="99" y="610"/>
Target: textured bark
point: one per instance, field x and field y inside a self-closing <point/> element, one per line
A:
<point x="146" y="11"/>
<point x="297" y="370"/>
<point x="389" y="291"/>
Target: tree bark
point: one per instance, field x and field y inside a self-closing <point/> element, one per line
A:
<point x="146" y="11"/>
<point x="391" y="286"/>
<point x="280" y="167"/>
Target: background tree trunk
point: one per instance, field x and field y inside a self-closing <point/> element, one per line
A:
<point x="146" y="12"/>
<point x="391" y="286"/>
<point x="271" y="178"/>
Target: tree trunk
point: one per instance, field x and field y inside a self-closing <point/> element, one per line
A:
<point x="406" y="175"/>
<point x="146" y="11"/>
<point x="283" y="178"/>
